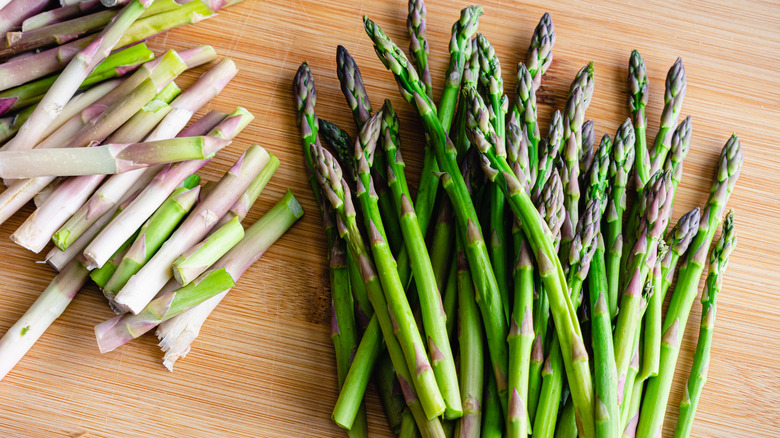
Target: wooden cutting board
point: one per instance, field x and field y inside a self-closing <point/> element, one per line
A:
<point x="263" y="365"/>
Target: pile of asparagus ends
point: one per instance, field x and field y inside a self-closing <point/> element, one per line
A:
<point x="526" y="297"/>
<point x="113" y="172"/>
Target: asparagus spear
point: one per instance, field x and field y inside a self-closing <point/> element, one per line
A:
<point x="676" y="84"/>
<point x="460" y="48"/>
<point x="59" y="14"/>
<point x="619" y="171"/>
<point x="472" y="359"/>
<point x="71" y="194"/>
<point x="122" y="104"/>
<point x="328" y="174"/>
<point x="605" y="373"/>
<point x="116" y="64"/>
<point x="197" y="259"/>
<point x="338" y="141"/>
<point x="552" y="384"/>
<point x="678" y="240"/>
<point x="549" y="149"/>
<point x="584" y="80"/>
<point x="241" y="207"/>
<point x="441" y="247"/>
<point x="525" y="109"/>
<point x="117" y="187"/>
<point x="638" y="84"/>
<point x="452" y="180"/>
<point x="588" y="151"/>
<point x="573" y="118"/>
<point x="521" y="337"/>
<point x="680" y="144"/>
<point x="540" y="53"/>
<point x="142" y="286"/>
<point x="418" y="43"/>
<point x="719" y="259"/>
<point x="209" y="285"/>
<point x="74" y="74"/>
<point x="434" y="320"/>
<point x="470" y="79"/>
<point x="12" y="15"/>
<point x="102" y="275"/>
<point x="657" y="393"/>
<point x="492" y="426"/>
<point x="352" y="86"/>
<point x="651" y="325"/>
<point x="390" y="394"/>
<point x="574" y="355"/>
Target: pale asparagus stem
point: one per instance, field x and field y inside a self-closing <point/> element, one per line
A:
<point x="200" y="257"/>
<point x="106" y="159"/>
<point x="177" y="334"/>
<point x="207" y="86"/>
<point x="117" y="187"/>
<point x="701" y="359"/>
<point x="116" y="64"/>
<point x="59" y="14"/>
<point x="155" y="194"/>
<point x="98" y="128"/>
<point x="18" y="340"/>
<point x="54" y="34"/>
<point x="58" y="258"/>
<point x="17" y="12"/>
<point x="74" y="74"/>
<point x="248" y="198"/>
<point x="142" y="287"/>
<point x="121" y="329"/>
<point x="153" y="234"/>
<point x="24" y="69"/>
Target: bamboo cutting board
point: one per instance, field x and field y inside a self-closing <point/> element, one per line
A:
<point x="263" y="365"/>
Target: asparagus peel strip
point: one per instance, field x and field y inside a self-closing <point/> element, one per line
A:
<point x="719" y="259"/>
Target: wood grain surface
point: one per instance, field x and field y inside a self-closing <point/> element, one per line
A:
<point x="263" y="365"/>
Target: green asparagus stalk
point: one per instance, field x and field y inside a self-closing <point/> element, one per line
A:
<point x="241" y="207"/>
<point x="418" y="43"/>
<point x="540" y="53"/>
<point x="352" y="86"/>
<point x="549" y="149"/>
<point x="492" y="424"/>
<point x="718" y="261"/>
<point x="328" y="175"/>
<point x="680" y="144"/>
<point x="472" y="359"/>
<point x="452" y="180"/>
<point x="450" y="300"/>
<point x="573" y="118"/>
<point x="596" y="179"/>
<point x="657" y="393"/>
<point x="588" y="151"/>
<point x="638" y="84"/>
<point x="389" y="393"/>
<point x="442" y="245"/>
<point x="197" y="259"/>
<point x="651" y="325"/>
<point x="629" y="412"/>
<point x="338" y="141"/>
<point x="676" y="85"/>
<point x="152" y="235"/>
<point x="605" y="373"/>
<point x="115" y="65"/>
<point x="525" y="109"/>
<point x="574" y="355"/>
<point x="434" y="318"/>
<point x="619" y="170"/>
<point x="470" y="79"/>
<point x="552" y="386"/>
<point x="584" y="80"/>
<point x="678" y="240"/>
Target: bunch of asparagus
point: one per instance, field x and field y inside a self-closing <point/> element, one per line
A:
<point x="527" y="229"/>
<point x="113" y="171"/>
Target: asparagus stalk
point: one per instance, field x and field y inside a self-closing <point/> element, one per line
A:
<point x="460" y="50"/>
<point x="619" y="171"/>
<point x="680" y="144"/>
<point x="241" y="207"/>
<point x="470" y="79"/>
<point x="106" y="159"/>
<point x="434" y="318"/>
<point x="74" y="74"/>
<point x="152" y="235"/>
<point x="117" y="187"/>
<point x="337" y="140"/>
<point x="657" y="393"/>
<point x="141" y="288"/>
<point x="605" y="372"/>
<point x="418" y="43"/>
<point x="651" y="326"/>
<point x="116" y="64"/>
<point x="95" y="128"/>
<point x="389" y="391"/>
<point x="525" y="109"/>
<point x="588" y="151"/>
<point x="678" y="240"/>
<point x="573" y="118"/>
<point x="197" y="259"/>
<point x="549" y="149"/>
<point x="352" y="86"/>
<point x="492" y="86"/>
<point x="676" y="85"/>
<point x="718" y="261"/>
<point x="584" y="80"/>
<point x="656" y="201"/>
<point x="328" y="175"/>
<point x="552" y="386"/>
<point x="452" y="180"/>
<point x="18" y="340"/>
<point x="54" y="34"/>
<point x="574" y="355"/>
<point x="102" y="275"/>
<point x="71" y="194"/>
<point x="442" y="246"/>
<point x="492" y="424"/>
<point x="15" y="13"/>
<point x="638" y="84"/>
<point x="170" y="177"/>
<point x="540" y="53"/>
<point x="60" y="14"/>
<point x="121" y="329"/>
<point x="472" y="361"/>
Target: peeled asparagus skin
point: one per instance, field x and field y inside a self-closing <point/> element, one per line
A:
<point x="118" y="186"/>
<point x="177" y="334"/>
<point x="142" y="287"/>
<point x="74" y="74"/>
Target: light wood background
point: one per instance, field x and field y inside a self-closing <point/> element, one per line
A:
<point x="263" y="365"/>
